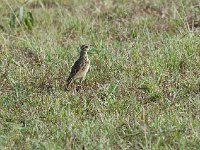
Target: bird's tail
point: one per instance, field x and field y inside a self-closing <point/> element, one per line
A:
<point x="69" y="80"/>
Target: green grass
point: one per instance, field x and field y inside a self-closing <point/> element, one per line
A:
<point x="143" y="89"/>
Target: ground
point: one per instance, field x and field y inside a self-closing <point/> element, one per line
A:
<point x="142" y="91"/>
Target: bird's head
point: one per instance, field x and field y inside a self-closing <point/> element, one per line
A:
<point x="84" y="48"/>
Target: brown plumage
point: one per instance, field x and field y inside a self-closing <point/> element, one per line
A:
<point x="80" y="67"/>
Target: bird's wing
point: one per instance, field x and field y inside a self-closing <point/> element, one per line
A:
<point x="76" y="67"/>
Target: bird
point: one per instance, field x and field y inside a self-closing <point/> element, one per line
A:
<point x="80" y="67"/>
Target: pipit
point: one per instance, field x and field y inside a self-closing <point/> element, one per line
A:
<point x="80" y="67"/>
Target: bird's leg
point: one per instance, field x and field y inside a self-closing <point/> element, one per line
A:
<point x="81" y="79"/>
<point x="73" y="88"/>
<point x="75" y="84"/>
<point x="90" y="69"/>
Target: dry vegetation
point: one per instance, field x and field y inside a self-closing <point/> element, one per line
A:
<point x="143" y="89"/>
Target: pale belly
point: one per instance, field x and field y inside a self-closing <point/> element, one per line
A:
<point x="82" y="73"/>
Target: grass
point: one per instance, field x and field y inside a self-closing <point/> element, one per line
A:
<point x="143" y="89"/>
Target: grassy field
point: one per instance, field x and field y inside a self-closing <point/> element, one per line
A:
<point x="143" y="90"/>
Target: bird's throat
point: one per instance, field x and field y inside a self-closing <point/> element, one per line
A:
<point x="84" y="55"/>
